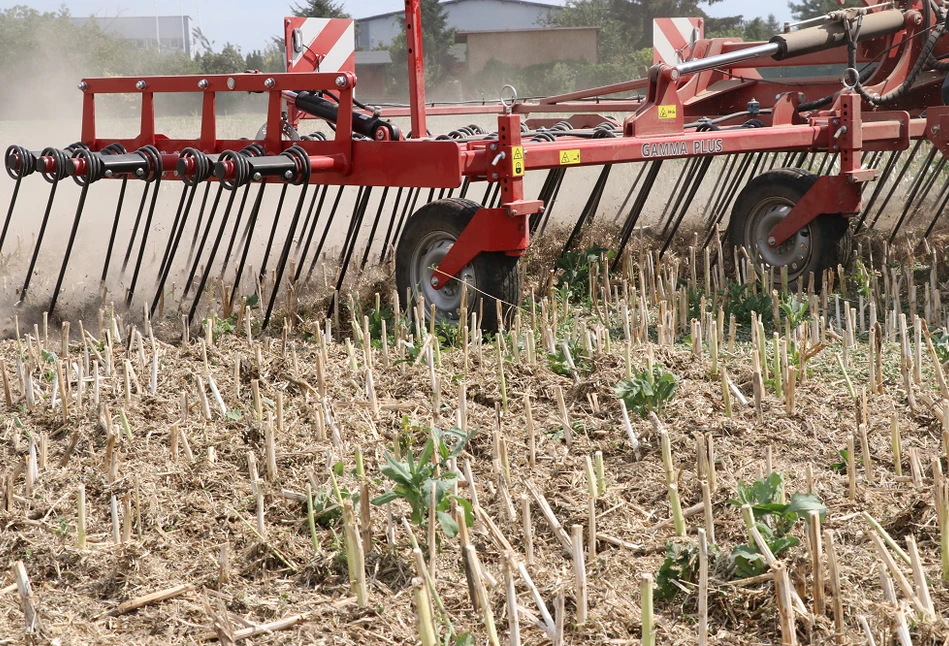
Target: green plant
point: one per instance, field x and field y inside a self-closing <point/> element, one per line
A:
<point x="941" y="344"/>
<point x="648" y="392"/>
<point x="680" y="566"/>
<point x="794" y="310"/>
<point x="574" y="267"/>
<point x="578" y="354"/>
<point x="416" y="478"/>
<point x="740" y="300"/>
<point x="773" y="519"/>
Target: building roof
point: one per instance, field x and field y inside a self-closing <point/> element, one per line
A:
<point x="374" y="57"/>
<point x="530" y="3"/>
<point x="462" y="36"/>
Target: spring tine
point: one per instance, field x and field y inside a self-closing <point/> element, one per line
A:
<point x="689" y="173"/>
<point x="589" y="209"/>
<point x="774" y="161"/>
<point x="544" y="196"/>
<point x="495" y="197"/>
<point x="69" y="245"/>
<point x="895" y="185"/>
<point x="185" y="191"/>
<point x="115" y="228"/>
<point x="358" y="216"/>
<point x="706" y="162"/>
<point x="309" y="215"/>
<point x="722" y="177"/>
<point x="487" y="193"/>
<point x="39" y="241"/>
<point x="301" y="257"/>
<point x="273" y="233"/>
<point x="880" y="182"/>
<point x="823" y="163"/>
<point x="737" y="170"/>
<point x="245" y="242"/>
<point x="303" y="178"/>
<point x="197" y="226"/>
<point x="676" y="190"/>
<point x="353" y="225"/>
<point x="199" y="290"/>
<point x="553" y="199"/>
<point x="195" y="258"/>
<point x="138" y="220"/>
<point x="636" y="211"/>
<point x="6" y="222"/>
<point x="395" y="210"/>
<point x="927" y="189"/>
<point x="156" y="164"/>
<point x="431" y="194"/>
<point x="629" y="193"/>
<point x="375" y="225"/>
<point x="943" y="200"/>
<point x="172" y="248"/>
<point x="914" y="189"/>
<point x="721" y="206"/>
<point x="326" y="230"/>
<point x="237" y="225"/>
<point x="465" y="185"/>
<point x="399" y="229"/>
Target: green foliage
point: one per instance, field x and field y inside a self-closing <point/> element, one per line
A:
<point x="941" y="344"/>
<point x="841" y="467"/>
<point x="680" y="566"/>
<point x="794" y="310"/>
<point x="812" y="8"/>
<point x="773" y="519"/>
<point x="646" y="391"/>
<point x="320" y="9"/>
<point x="416" y="477"/>
<point x="741" y="301"/>
<point x="574" y="269"/>
<point x="326" y="509"/>
<point x="578" y="353"/>
<point x="437" y="41"/>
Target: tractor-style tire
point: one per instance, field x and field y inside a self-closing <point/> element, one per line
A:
<point x="824" y="243"/>
<point x="428" y="235"/>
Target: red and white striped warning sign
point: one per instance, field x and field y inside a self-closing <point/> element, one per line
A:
<point x="672" y="39"/>
<point x="320" y="45"/>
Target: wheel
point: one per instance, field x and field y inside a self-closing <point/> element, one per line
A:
<point x="425" y="241"/>
<point x="825" y="242"/>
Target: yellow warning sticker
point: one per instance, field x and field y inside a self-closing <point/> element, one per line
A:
<point x="569" y="157"/>
<point x="667" y="112"/>
<point x="517" y="160"/>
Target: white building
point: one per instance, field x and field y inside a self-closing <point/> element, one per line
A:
<point x="173" y="33"/>
<point x="464" y="15"/>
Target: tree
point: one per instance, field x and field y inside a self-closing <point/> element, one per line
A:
<point x="319" y="9"/>
<point x="437" y="41"/>
<point x="812" y="8"/>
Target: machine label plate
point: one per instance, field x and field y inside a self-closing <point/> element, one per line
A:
<point x="517" y="161"/>
<point x="569" y="157"/>
<point x="683" y="148"/>
<point x="667" y="112"/>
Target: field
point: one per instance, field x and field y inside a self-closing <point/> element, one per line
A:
<point x="224" y="484"/>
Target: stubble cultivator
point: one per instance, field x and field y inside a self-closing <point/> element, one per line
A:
<point x="780" y="165"/>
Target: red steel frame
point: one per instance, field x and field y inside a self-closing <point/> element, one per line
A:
<point x="654" y="129"/>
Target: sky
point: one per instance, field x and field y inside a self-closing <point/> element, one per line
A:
<point x="251" y="23"/>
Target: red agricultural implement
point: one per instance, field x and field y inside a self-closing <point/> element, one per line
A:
<point x="796" y="164"/>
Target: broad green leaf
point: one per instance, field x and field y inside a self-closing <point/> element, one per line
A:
<point x="449" y="526"/>
<point x="385" y="498"/>
<point x="804" y="503"/>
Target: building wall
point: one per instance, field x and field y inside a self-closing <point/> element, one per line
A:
<point x="525" y="48"/>
<point x="173" y="32"/>
<point x="463" y="15"/>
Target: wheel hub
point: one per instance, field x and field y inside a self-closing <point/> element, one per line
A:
<point x="793" y="252"/>
<point x="429" y="253"/>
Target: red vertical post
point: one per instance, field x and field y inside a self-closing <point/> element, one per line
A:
<point x="413" y="46"/>
<point x="88" y="118"/>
